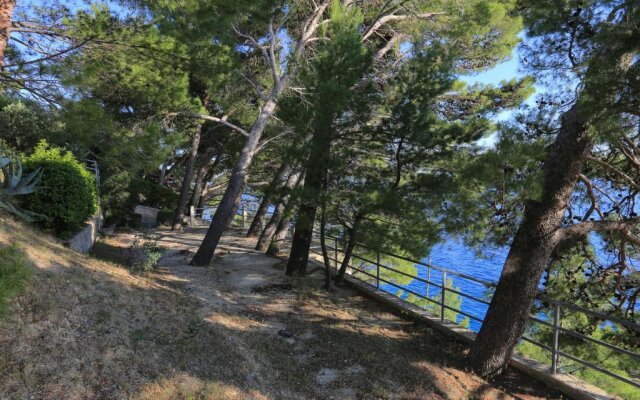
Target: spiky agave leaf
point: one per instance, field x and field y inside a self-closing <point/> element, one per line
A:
<point x="13" y="184"/>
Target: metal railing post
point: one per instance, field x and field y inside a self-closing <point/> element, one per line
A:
<point x="554" y="344"/>
<point x="244" y="216"/>
<point x="443" y="295"/>
<point x="428" y="280"/>
<point x="377" y="269"/>
<point x="335" y="250"/>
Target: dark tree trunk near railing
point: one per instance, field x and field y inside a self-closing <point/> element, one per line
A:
<point x="257" y="222"/>
<point x="163" y="173"/>
<point x="348" y="251"/>
<point x="178" y="163"/>
<point x="541" y="230"/>
<point x="323" y="242"/>
<point x="285" y="221"/>
<point x="204" y="189"/>
<point x="205" y="172"/>
<point x="316" y="169"/>
<point x="532" y="246"/>
<point x="301" y="241"/>
<point x="270" y="230"/>
<point x="280" y="235"/>
<point x="186" y="182"/>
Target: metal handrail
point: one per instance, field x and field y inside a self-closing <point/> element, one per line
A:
<point x="554" y="324"/>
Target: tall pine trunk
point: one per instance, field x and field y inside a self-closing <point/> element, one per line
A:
<point x="232" y="195"/>
<point x="532" y="246"/>
<point x="204" y="189"/>
<point x="280" y="235"/>
<point x="316" y="167"/>
<point x="170" y="170"/>
<point x="163" y="173"/>
<point x="348" y="251"/>
<point x="256" y="224"/>
<point x="201" y="178"/>
<point x="272" y="226"/>
<point x="186" y="182"/>
<point x="6" y="13"/>
<point x="197" y="183"/>
<point x="323" y="240"/>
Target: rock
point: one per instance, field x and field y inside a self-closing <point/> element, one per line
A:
<point x="325" y="376"/>
<point x="355" y="369"/>
<point x="184" y="251"/>
<point x="285" y="333"/>
<point x="346" y="394"/>
<point x="250" y="378"/>
<point x="308" y="335"/>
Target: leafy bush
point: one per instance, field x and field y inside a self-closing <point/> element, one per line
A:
<point x="144" y="253"/>
<point x="151" y="194"/>
<point x="165" y="216"/>
<point x="67" y="194"/>
<point x="115" y="197"/>
<point x="13" y="274"/>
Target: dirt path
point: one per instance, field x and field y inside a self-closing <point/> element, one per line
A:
<point x="301" y="342"/>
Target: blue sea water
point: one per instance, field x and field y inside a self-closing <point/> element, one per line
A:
<point x="455" y="256"/>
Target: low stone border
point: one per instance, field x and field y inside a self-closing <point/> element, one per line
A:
<point x="83" y="241"/>
<point x="567" y="384"/>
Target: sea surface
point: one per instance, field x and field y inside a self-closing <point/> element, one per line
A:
<point x="456" y="257"/>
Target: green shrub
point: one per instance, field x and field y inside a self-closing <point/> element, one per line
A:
<point x="67" y="193"/>
<point x="165" y="216"/>
<point x="144" y="252"/>
<point x="115" y="198"/>
<point x="13" y="274"/>
<point x="151" y="194"/>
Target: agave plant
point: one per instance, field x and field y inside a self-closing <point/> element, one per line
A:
<point x="13" y="184"/>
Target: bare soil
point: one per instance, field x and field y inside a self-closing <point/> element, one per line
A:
<point x="88" y="329"/>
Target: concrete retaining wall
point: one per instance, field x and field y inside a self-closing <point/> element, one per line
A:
<point x="149" y="215"/>
<point x="83" y="241"/>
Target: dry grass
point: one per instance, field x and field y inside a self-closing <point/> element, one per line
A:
<point x="88" y="329"/>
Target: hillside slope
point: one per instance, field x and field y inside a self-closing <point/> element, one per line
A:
<point x="85" y="328"/>
<point x="88" y="329"/>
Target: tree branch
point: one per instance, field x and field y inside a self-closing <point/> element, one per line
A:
<point x="594" y="201"/>
<point x="50" y="56"/>
<point x="389" y="18"/>
<point x="615" y="170"/>
<point x="576" y="231"/>
<point x="222" y="120"/>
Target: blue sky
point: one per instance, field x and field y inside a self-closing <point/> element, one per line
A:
<point x="503" y="71"/>
<point x="506" y="70"/>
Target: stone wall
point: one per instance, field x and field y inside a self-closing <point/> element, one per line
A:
<point x="83" y="241"/>
<point x="149" y="215"/>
